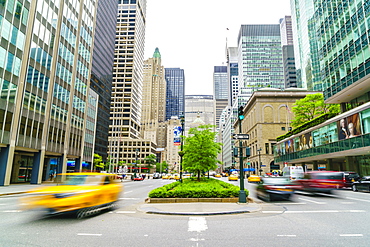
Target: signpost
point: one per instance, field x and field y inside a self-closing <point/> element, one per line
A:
<point x="241" y="136"/>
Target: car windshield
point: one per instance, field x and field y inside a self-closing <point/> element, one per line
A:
<point x="79" y="180"/>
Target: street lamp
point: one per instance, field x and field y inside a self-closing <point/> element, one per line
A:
<point x="182" y="121"/>
<point x="136" y="156"/>
<point x="259" y="161"/>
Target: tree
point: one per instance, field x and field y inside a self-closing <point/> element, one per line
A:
<point x="150" y="159"/>
<point x="200" y="150"/>
<point x="161" y="167"/>
<point x="98" y="161"/>
<point x="311" y="107"/>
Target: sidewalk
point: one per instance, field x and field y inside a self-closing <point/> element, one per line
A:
<point x="186" y="209"/>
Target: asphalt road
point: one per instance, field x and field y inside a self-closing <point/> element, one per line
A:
<point x="341" y="219"/>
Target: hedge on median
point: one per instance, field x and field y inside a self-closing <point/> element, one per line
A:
<point x="191" y="188"/>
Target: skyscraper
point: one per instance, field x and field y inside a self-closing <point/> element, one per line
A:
<point x="305" y="45"/>
<point x="221" y="89"/>
<point x="127" y="80"/>
<point x="290" y="75"/>
<point x="154" y="100"/>
<point x="232" y="73"/>
<point x="45" y="64"/>
<point x="102" y="66"/>
<point x="175" y="93"/>
<point x="260" y="57"/>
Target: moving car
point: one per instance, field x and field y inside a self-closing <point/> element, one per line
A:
<point x="293" y="172"/>
<point x="138" y="178"/>
<point x="274" y="188"/>
<point x="82" y="193"/>
<point x="254" y="179"/>
<point x="362" y="184"/>
<point x="218" y="175"/>
<point x="166" y="176"/>
<point x="321" y="181"/>
<point x="349" y="178"/>
<point x="156" y="175"/>
<point x="233" y="177"/>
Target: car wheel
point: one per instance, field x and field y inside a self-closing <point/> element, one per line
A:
<point x="354" y="188"/>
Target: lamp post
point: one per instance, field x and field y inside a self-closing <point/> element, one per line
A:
<point x="242" y="194"/>
<point x="182" y="121"/>
<point x="136" y="156"/>
<point x="259" y="161"/>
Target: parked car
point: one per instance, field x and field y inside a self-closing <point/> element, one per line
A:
<point x="156" y="175"/>
<point x="274" y="188"/>
<point x="362" y="184"/>
<point x="84" y="193"/>
<point x="320" y="181"/>
<point x="138" y="178"/>
<point x="233" y="177"/>
<point x="254" y="179"/>
<point x="349" y="178"/>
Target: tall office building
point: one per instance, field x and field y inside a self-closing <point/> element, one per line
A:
<point x="232" y="73"/>
<point x="45" y="64"/>
<point x="154" y="100"/>
<point x="175" y="92"/>
<point x="305" y="45"/>
<point x="221" y="88"/>
<point x="127" y="82"/>
<point x="340" y="143"/>
<point x="102" y="66"/>
<point x="286" y="33"/>
<point x="260" y="57"/>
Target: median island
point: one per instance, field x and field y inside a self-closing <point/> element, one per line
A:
<point x="194" y="190"/>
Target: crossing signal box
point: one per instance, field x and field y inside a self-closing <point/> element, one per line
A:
<point x="235" y="152"/>
<point x="247" y="152"/>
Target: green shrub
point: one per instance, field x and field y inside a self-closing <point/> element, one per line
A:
<point x="190" y="188"/>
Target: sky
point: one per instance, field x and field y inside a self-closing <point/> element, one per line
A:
<point x="192" y="35"/>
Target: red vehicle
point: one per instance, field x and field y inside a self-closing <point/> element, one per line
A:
<point x="138" y="178"/>
<point x="320" y="181"/>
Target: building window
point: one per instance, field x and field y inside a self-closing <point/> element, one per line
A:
<point x="283" y="128"/>
<point x="267" y="148"/>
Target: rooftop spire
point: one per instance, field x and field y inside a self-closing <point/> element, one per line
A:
<point x="156" y="54"/>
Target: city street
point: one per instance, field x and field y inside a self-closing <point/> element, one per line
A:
<point x="339" y="219"/>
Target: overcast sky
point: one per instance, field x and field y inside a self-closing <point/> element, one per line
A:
<point x="192" y="34"/>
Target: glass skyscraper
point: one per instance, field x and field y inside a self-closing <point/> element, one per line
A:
<point x="45" y="64"/>
<point x="175" y="92"/>
<point x="102" y="67"/>
<point x="260" y="57"/>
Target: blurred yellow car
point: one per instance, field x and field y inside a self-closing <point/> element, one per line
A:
<point x="167" y="176"/>
<point x="176" y="176"/>
<point x="233" y="177"/>
<point x="218" y="175"/>
<point x="254" y="179"/>
<point x="84" y="193"/>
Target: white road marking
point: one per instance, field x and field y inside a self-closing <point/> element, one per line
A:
<point x="150" y="186"/>
<point x="314" y="211"/>
<point x="291" y="203"/>
<point x="89" y="234"/>
<point x="11" y="211"/>
<point x="127" y="198"/>
<point x="125" y="212"/>
<point x="347" y="202"/>
<point x="126" y="192"/>
<point x="358" y="199"/>
<point x="351" y="235"/>
<point x="307" y="200"/>
<point x="2" y="204"/>
<point x="286" y="235"/>
<point x="197" y="224"/>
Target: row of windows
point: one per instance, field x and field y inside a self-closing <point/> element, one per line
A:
<point x="11" y="33"/>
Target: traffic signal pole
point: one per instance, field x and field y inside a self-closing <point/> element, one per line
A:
<point x="242" y="194"/>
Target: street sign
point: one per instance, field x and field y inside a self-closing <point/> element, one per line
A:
<point x="241" y="136"/>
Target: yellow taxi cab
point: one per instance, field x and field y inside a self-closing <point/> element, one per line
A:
<point x="218" y="175"/>
<point x="167" y="176"/>
<point x="176" y="176"/>
<point x="233" y="177"/>
<point x="254" y="179"/>
<point x="84" y="193"/>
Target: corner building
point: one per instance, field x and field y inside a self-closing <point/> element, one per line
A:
<point x="342" y="142"/>
<point x="45" y="63"/>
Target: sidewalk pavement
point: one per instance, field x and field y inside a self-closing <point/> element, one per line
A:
<point x="186" y="209"/>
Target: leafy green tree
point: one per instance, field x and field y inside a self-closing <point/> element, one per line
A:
<point x="200" y="150"/>
<point x="310" y="107"/>
<point x="98" y="161"/>
<point x="162" y="165"/>
<point x="150" y="159"/>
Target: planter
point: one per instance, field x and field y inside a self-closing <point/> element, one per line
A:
<point x="189" y="200"/>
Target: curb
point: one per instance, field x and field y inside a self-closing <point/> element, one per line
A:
<point x="198" y="213"/>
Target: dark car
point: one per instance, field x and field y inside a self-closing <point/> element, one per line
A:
<point x="320" y="181"/>
<point x="156" y="176"/>
<point x="362" y="184"/>
<point x="274" y="188"/>
<point x="349" y="178"/>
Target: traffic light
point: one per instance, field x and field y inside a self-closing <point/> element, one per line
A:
<point x="241" y="113"/>
<point x="235" y="152"/>
<point x="247" y="152"/>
